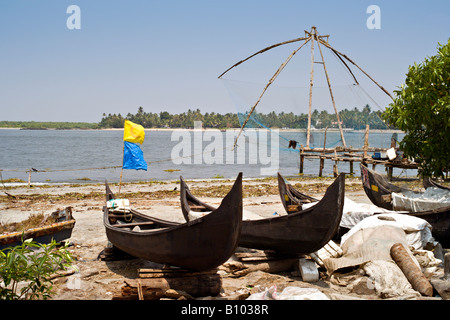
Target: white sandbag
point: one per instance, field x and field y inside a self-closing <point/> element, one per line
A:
<point x="417" y="231"/>
<point x="366" y="244"/>
<point x="289" y="293"/>
<point x="354" y="212"/>
<point x="297" y="293"/>
<point x="388" y="279"/>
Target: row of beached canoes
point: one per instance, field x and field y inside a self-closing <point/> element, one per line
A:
<point x="211" y="234"/>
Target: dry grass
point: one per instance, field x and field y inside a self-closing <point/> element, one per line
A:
<point x="33" y="221"/>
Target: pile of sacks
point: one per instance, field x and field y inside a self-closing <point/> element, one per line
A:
<point x="370" y="250"/>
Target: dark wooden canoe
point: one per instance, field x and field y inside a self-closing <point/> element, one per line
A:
<point x="300" y="232"/>
<point x="60" y="230"/>
<point x="428" y="182"/>
<point x="199" y="245"/>
<point x="378" y="189"/>
<point x="291" y="198"/>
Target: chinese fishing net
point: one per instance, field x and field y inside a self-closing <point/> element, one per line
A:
<point x="283" y="99"/>
<point x="285" y="103"/>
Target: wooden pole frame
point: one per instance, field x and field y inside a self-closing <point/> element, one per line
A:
<point x="311" y="84"/>
<point x="312" y="35"/>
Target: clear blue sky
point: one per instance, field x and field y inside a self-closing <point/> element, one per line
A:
<point x="167" y="55"/>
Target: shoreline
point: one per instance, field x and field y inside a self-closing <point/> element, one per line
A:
<point x="212" y="129"/>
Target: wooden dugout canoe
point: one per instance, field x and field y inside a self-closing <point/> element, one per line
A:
<point x="300" y="232"/>
<point x="379" y="190"/>
<point x="199" y="245"/>
<point x="428" y="182"/>
<point x="291" y="198"/>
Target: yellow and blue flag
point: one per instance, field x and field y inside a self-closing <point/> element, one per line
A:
<point x="133" y="157"/>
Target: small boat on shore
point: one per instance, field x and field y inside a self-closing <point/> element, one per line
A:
<point x="292" y="199"/>
<point x="202" y="244"/>
<point x="428" y="182"/>
<point x="300" y="232"/>
<point x="58" y="226"/>
<point x="384" y="194"/>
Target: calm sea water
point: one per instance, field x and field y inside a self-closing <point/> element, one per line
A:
<point x="96" y="155"/>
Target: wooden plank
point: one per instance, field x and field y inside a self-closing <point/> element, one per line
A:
<point x="171" y="273"/>
<point x="126" y="225"/>
<point x="261" y="256"/>
<point x="154" y="288"/>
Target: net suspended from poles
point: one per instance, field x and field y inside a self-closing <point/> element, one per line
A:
<point x="317" y="92"/>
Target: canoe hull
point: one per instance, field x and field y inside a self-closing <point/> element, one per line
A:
<point x="379" y="190"/>
<point x="202" y="244"/>
<point x="301" y="232"/>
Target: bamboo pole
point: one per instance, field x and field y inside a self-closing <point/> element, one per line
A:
<point x="302" y="159"/>
<point x="262" y="51"/>
<point x="322" y="157"/>
<point x="351" y="61"/>
<point x="29" y="178"/>
<point x="267" y="86"/>
<point x="121" y="172"/>
<point x="311" y="84"/>
<point x="331" y="94"/>
<point x="366" y="141"/>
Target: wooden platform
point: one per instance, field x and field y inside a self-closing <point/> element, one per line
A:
<point x="352" y="155"/>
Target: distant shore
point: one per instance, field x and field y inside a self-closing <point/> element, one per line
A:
<point x="205" y="129"/>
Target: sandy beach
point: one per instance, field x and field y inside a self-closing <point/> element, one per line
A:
<point x="102" y="280"/>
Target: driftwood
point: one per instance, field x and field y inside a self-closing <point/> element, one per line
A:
<point x="200" y="285"/>
<point x="239" y="269"/>
<point x="258" y="261"/>
<point x="171" y="273"/>
<point x="412" y="272"/>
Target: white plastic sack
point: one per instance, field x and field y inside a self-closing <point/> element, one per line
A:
<point x="289" y="293"/>
<point x="388" y="279"/>
<point x="297" y="293"/>
<point x="354" y="212"/>
<point x="417" y="230"/>
<point x="366" y="244"/>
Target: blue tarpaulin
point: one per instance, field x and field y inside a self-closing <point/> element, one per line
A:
<point x="133" y="157"/>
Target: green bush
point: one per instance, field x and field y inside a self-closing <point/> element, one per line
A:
<point x="32" y="264"/>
